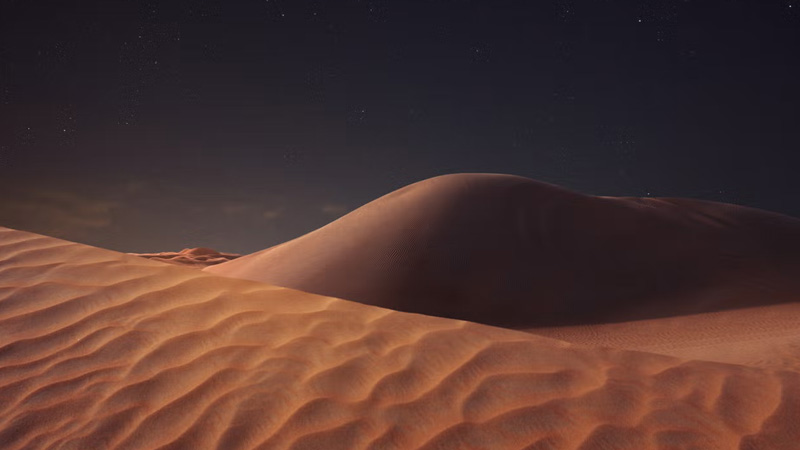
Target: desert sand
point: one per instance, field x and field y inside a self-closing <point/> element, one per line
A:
<point x="693" y="342"/>
<point x="100" y="349"/>
<point x="686" y="278"/>
<point x="513" y="252"/>
<point x="765" y="336"/>
<point x="193" y="257"/>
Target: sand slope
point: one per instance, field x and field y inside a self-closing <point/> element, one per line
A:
<point x="105" y="350"/>
<point x="765" y="336"/>
<point x="510" y="251"/>
<point x="193" y="257"/>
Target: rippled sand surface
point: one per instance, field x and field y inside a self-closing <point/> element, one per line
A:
<point x="103" y="350"/>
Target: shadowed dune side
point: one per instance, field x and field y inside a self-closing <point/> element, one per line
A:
<point x="105" y="350"/>
<point x="192" y="257"/>
<point x="509" y="251"/>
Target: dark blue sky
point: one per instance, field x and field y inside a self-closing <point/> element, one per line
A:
<point x="144" y="126"/>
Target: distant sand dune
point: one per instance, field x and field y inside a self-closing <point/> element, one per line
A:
<point x="193" y="257"/>
<point x="510" y="251"/>
<point x="102" y="350"/>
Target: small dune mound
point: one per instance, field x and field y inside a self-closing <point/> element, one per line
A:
<point x="510" y="251"/>
<point x="194" y="257"/>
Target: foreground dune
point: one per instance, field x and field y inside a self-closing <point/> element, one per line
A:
<point x="510" y="251"/>
<point x="102" y="350"/>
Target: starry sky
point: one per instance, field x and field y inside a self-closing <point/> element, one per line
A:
<point x="239" y="124"/>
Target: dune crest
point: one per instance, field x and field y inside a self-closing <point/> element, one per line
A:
<point x="100" y="349"/>
<point x="510" y="251"/>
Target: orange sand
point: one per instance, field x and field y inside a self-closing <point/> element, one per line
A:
<point x="102" y="350"/>
<point x="193" y="257"/>
<point x="766" y="336"/>
<point x="510" y="251"/>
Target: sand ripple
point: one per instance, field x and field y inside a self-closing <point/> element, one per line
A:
<point x="101" y="350"/>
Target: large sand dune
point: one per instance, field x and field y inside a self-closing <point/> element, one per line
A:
<point x="510" y="251"/>
<point x="102" y="350"/>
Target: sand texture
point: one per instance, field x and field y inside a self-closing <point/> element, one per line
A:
<point x="193" y="257"/>
<point x="102" y="350"/>
<point x="643" y="324"/>
<point x="766" y="336"/>
<point x="510" y="251"/>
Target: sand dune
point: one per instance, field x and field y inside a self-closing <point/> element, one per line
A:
<point x="102" y="350"/>
<point x="510" y="251"/>
<point x="193" y="257"/>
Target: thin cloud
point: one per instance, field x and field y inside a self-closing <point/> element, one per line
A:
<point x="59" y="213"/>
<point x="236" y="208"/>
<point x="272" y="214"/>
<point x="334" y="209"/>
<point x="135" y="186"/>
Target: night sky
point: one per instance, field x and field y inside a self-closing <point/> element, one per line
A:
<point x="154" y="126"/>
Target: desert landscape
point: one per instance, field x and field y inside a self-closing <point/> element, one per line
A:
<point x="399" y="225"/>
<point x="466" y="311"/>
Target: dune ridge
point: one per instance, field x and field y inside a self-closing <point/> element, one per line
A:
<point x="100" y="349"/>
